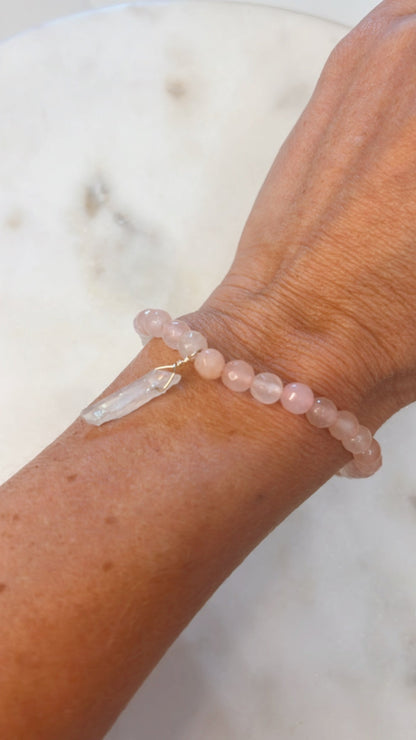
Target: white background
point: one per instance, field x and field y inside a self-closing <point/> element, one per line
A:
<point x="16" y="15"/>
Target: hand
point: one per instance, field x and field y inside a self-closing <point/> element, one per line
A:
<point x="323" y="286"/>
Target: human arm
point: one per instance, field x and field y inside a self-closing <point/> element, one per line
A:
<point x="200" y="495"/>
<point x="114" y="537"/>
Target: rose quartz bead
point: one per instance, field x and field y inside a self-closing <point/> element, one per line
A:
<point x="370" y="460"/>
<point x="191" y="342"/>
<point x="346" y="425"/>
<point x="360" y="442"/>
<point x="323" y="413"/>
<point x="209" y="363"/>
<point x="370" y="469"/>
<point x="266" y="388"/>
<point x="297" y="398"/>
<point x="151" y="321"/>
<point x="172" y="332"/>
<point x="350" y="470"/>
<point x="237" y="375"/>
<point x="139" y="322"/>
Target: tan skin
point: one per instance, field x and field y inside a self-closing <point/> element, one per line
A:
<point x="113" y="538"/>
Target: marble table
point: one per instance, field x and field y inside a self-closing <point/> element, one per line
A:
<point x="25" y="13"/>
<point x="133" y="142"/>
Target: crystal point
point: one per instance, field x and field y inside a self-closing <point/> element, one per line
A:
<point x="131" y="397"/>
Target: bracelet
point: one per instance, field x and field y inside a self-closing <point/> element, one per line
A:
<point x="239" y="376"/>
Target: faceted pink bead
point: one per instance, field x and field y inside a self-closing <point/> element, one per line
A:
<point x="237" y="375"/>
<point x="346" y="425"/>
<point x="209" y="363"/>
<point x="360" y="442"/>
<point x="370" y="461"/>
<point x="191" y="342"/>
<point x="172" y="331"/>
<point x="297" y="398"/>
<point x="364" y="464"/>
<point x="323" y="413"/>
<point x="266" y="388"/>
<point x="139" y="322"/>
<point x="370" y="469"/>
<point x="350" y="470"/>
<point x="151" y="321"/>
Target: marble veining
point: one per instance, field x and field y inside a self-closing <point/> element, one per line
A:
<point x="133" y="143"/>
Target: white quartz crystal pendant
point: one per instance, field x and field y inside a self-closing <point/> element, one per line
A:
<point x="131" y="397"/>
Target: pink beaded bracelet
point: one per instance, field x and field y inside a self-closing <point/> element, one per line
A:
<point x="237" y="375"/>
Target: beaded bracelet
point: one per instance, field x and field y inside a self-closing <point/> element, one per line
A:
<point x="237" y="375"/>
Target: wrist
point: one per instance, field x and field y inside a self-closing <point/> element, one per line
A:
<point x="250" y="417"/>
<point x="306" y="338"/>
<point x="250" y="414"/>
<point x="282" y="343"/>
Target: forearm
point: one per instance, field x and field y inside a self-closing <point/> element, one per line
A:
<point x="113" y="538"/>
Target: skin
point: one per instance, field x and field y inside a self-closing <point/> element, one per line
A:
<point x="113" y="538"/>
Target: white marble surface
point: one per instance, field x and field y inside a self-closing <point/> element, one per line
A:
<point x="132" y="145"/>
<point x="21" y="14"/>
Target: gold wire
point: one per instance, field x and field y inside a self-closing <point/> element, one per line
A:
<point x="173" y="367"/>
